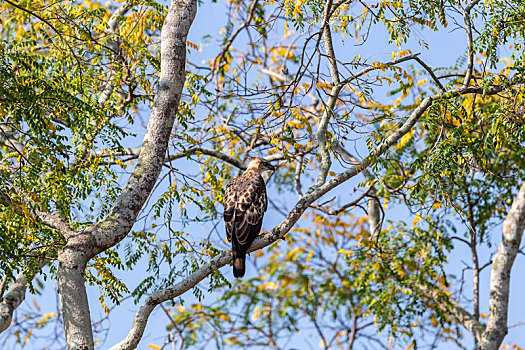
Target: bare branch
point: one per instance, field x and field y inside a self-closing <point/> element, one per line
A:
<point x="135" y="152"/>
<point x="56" y="222"/>
<point x="470" y="45"/>
<point x="326" y="160"/>
<point x="346" y="206"/>
<point x="113" y="25"/>
<point x="431" y="72"/>
<point x="327" y="41"/>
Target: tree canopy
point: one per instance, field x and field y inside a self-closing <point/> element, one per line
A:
<point x="119" y="131"/>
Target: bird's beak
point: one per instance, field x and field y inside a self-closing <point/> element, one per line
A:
<point x="271" y="167"/>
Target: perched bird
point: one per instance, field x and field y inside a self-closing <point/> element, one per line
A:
<point x="244" y="206"/>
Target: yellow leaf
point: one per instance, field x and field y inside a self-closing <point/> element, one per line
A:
<point x="153" y="346"/>
<point x="416" y="220"/>
<point x="270" y="286"/>
<point x="224" y="317"/>
<point x="407" y="137"/>
<point x="231" y="340"/>
<point x="291" y="254"/>
<point x="256" y="315"/>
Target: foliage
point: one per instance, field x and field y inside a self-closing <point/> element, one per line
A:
<point x="75" y="87"/>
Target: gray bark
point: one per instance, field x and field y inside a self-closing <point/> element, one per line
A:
<point x="72" y="262"/>
<point x="14" y="297"/>
<point x="513" y="227"/>
<point x="326" y="160"/>
<point x="113" y="25"/>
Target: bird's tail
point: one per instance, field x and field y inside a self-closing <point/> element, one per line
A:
<point x="239" y="265"/>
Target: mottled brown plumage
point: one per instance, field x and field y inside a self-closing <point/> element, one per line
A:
<point x="244" y="206"/>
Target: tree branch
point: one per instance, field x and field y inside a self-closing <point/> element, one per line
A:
<point x="431" y="72"/>
<point x="326" y="161"/>
<point x="113" y="25"/>
<point x="53" y="221"/>
<point x="457" y="312"/>
<point x="369" y="69"/>
<point x="56" y="222"/>
<point x="470" y="45"/>
<point x="135" y="152"/>
<point x="14" y="297"/>
<point x="466" y="319"/>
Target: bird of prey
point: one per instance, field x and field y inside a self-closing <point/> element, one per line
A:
<point x="244" y="206"/>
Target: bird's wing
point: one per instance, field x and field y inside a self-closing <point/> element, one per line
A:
<point x="230" y="200"/>
<point x="249" y="210"/>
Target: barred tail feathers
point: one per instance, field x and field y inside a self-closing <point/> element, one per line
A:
<point x="239" y="257"/>
<point x="239" y="267"/>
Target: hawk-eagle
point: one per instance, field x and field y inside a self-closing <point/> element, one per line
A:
<point x="244" y="206"/>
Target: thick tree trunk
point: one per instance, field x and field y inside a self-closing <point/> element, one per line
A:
<point x="73" y="298"/>
<point x="500" y="276"/>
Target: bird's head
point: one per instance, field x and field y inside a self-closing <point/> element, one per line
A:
<point x="260" y="165"/>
